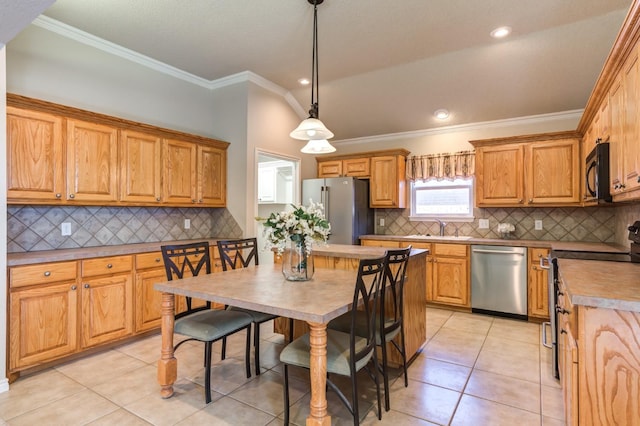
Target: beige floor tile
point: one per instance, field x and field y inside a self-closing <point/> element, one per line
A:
<point x="187" y="399"/>
<point x="130" y="386"/>
<point x="474" y="323"/>
<point x="546" y="376"/>
<point x="457" y="346"/>
<point x="269" y="356"/>
<point x="552" y="402"/>
<point x="80" y="408"/>
<point x="147" y="349"/>
<point x="36" y="391"/>
<point x="474" y="411"/>
<point x="119" y="417"/>
<point x="515" y="330"/>
<point x="438" y="316"/>
<point x="514" y="348"/>
<point x="236" y="344"/>
<point x="340" y="416"/>
<point x="549" y="421"/>
<point x="228" y="412"/>
<point x="100" y="368"/>
<point x="507" y="364"/>
<point x="226" y="376"/>
<point x="394" y="418"/>
<point x="424" y="401"/>
<point x="266" y="392"/>
<point x="439" y="373"/>
<point x="505" y="390"/>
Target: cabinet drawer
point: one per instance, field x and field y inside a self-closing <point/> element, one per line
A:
<point x="106" y="265"/>
<point x="21" y="276"/>
<point x="450" y="249"/>
<point x="359" y="167"/>
<point x="420" y="246"/>
<point x="149" y="260"/>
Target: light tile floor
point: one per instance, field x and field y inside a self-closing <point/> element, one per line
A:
<point x="474" y="370"/>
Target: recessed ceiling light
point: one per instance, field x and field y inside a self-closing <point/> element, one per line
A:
<point x="501" y="32"/>
<point x="304" y="81"/>
<point x="441" y="114"/>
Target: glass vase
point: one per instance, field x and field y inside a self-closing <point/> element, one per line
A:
<point x="297" y="262"/>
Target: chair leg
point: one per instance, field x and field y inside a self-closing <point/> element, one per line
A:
<point x="404" y="358"/>
<point x="286" y="395"/>
<point x="385" y="376"/>
<point x="290" y="330"/>
<point x="207" y="371"/>
<point x="354" y="396"/>
<point x="224" y="348"/>
<point x="256" y="346"/>
<point x="377" y="382"/>
<point x="247" y="352"/>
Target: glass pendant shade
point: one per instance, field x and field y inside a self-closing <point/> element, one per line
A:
<point x="311" y="128"/>
<point x="318" y="146"/>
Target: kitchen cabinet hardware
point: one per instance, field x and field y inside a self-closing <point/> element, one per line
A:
<point x="58" y="195"/>
<point x="47" y="273"/>
<point x="530" y="200"/>
<point x="563" y="331"/>
<point x="72" y="196"/>
<point x="562" y="311"/>
<point x="74" y="287"/>
<point x="86" y="286"/>
<point x="520" y="201"/>
<point x="109" y="266"/>
<point x="157" y="198"/>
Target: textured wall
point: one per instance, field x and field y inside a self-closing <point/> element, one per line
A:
<point x="594" y="224"/>
<point x="33" y="228"/>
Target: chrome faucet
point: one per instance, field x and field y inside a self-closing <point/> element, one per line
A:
<point x="442" y="225"/>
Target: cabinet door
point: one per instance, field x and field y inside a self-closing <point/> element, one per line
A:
<point x="266" y="185"/>
<point x="107" y="309"/>
<point x="631" y="157"/>
<point x="92" y="162"/>
<point x="357" y="167"/>
<point x="387" y="184"/>
<point x="42" y="324"/>
<point x="568" y="365"/>
<point x="330" y="168"/>
<point x="148" y="301"/>
<point x="538" y="301"/>
<point x="450" y="281"/>
<point x="140" y="171"/>
<point x="499" y="175"/>
<point x="552" y="172"/>
<point x="179" y="172"/>
<point x="34" y="156"/>
<point x="616" y="143"/>
<point x="212" y="176"/>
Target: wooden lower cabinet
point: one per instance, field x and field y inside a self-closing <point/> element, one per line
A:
<point x="448" y="281"/>
<point x="537" y="283"/>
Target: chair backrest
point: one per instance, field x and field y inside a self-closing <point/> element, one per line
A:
<point x="371" y="273"/>
<point x="238" y="253"/>
<point x="392" y="298"/>
<point x="191" y="259"/>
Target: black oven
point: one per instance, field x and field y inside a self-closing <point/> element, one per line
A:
<point x="597" y="175"/>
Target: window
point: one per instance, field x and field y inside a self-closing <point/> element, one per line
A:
<point x="443" y="199"/>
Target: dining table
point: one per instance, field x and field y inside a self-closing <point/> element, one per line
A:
<point x="263" y="288"/>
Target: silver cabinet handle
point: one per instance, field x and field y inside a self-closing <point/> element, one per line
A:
<point x="109" y="266"/>
<point x="497" y="252"/>
<point x="74" y="287"/>
<point x="47" y="274"/>
<point x="544" y="335"/>
<point x="157" y="198"/>
<point x="544" y="265"/>
<point x="58" y="195"/>
<point x="72" y="196"/>
<point x="86" y="286"/>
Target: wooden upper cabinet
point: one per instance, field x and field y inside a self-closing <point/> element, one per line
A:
<point x="212" y="176"/>
<point x="180" y="172"/>
<point x="616" y="145"/>
<point x="388" y="182"/>
<point x="356" y="167"/>
<point x="330" y="168"/>
<point x="631" y="151"/>
<point x="92" y="161"/>
<point x="538" y="170"/>
<point x="552" y="171"/>
<point x="140" y="167"/>
<point x="35" y="162"/>
<point x="499" y="175"/>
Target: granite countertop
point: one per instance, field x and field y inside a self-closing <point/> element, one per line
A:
<point x="356" y="252"/>
<point x="17" y="259"/>
<point x="554" y="245"/>
<point x="601" y="284"/>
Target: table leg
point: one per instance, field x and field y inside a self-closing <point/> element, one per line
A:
<point x="318" y="363"/>
<point x="167" y="364"/>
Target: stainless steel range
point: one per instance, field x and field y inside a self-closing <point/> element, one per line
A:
<point x="552" y="264"/>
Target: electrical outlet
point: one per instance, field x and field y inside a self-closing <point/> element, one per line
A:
<point x="381" y="221"/>
<point x="538" y="225"/>
<point x="483" y="224"/>
<point x="187" y="223"/>
<point x="65" y="229"/>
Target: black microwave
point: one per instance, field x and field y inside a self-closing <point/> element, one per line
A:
<point x="597" y="175"/>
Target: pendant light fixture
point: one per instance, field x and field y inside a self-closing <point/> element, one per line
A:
<point x="312" y="129"/>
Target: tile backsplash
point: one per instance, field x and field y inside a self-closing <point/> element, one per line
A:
<point x="34" y="228"/>
<point x="593" y="224"/>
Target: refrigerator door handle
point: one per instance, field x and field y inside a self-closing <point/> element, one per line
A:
<point x="326" y="202"/>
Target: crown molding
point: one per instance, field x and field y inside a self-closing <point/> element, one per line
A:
<point x="531" y="119"/>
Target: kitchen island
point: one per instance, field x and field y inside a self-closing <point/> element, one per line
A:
<point x="347" y="257"/>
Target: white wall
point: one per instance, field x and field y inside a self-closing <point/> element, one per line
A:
<point x="4" y="383"/>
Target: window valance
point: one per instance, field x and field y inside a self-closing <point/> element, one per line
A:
<point x="447" y="166"/>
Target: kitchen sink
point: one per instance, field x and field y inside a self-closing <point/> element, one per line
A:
<point x="439" y="237"/>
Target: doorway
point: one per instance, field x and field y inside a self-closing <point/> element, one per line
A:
<point x="278" y="186"/>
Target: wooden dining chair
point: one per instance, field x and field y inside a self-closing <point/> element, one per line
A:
<point x="202" y="323"/>
<point x="390" y="322"/>
<point x="347" y="352"/>
<point x="240" y="254"/>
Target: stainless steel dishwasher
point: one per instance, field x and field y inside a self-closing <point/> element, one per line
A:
<point x="499" y="280"/>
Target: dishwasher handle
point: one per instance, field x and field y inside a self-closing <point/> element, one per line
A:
<point x="544" y="335"/>
<point x="497" y="251"/>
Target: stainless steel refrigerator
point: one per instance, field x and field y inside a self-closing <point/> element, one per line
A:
<point x="346" y="206"/>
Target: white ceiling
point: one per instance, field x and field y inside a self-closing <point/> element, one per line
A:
<point x="385" y="66"/>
